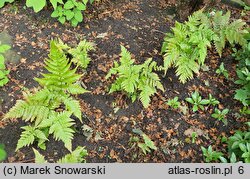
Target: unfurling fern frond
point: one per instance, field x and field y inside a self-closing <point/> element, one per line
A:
<point x="61" y="78"/>
<point x="135" y="79"/>
<point x="29" y="135"/>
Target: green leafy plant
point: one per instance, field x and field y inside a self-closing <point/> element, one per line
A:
<point x="147" y="145"/>
<point x="239" y="144"/>
<point x="186" y="46"/>
<point x="222" y="70"/>
<point x="224" y="31"/>
<point x="238" y="147"/>
<point x="3" y="72"/>
<point x="3" y="153"/>
<point x="174" y="103"/>
<point x="197" y="101"/>
<point x="220" y="115"/>
<point x="50" y="109"/>
<point x="70" y="11"/>
<point x="194" y="135"/>
<point x="2" y="2"/>
<point x="138" y="81"/>
<point x="212" y="101"/>
<point x="210" y="155"/>
<point x="243" y="68"/>
<point x="76" y="156"/>
<point x="80" y="53"/>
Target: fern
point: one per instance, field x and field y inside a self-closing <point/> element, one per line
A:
<point x="36" y="107"/>
<point x="38" y="157"/>
<point x="61" y="78"/>
<point x="59" y="125"/>
<point x="72" y="106"/>
<point x="50" y="108"/>
<point x="136" y="80"/>
<point x="80" y="53"/>
<point x="76" y="156"/>
<point x="225" y="31"/>
<point x="29" y="135"/>
<point x="186" y="47"/>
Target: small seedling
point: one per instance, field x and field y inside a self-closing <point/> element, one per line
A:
<point x="174" y="103"/>
<point x="145" y="146"/>
<point x="197" y="101"/>
<point x="222" y="70"/>
<point x="194" y="136"/>
<point x="211" y="155"/>
<point x="3" y="153"/>
<point x="221" y="115"/>
<point x="211" y="100"/>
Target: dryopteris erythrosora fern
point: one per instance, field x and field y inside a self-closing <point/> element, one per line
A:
<point x="76" y="156"/>
<point x="186" y="46"/>
<point x="51" y="108"/>
<point x="138" y="81"/>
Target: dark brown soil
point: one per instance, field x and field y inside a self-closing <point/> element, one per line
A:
<point x="140" y="26"/>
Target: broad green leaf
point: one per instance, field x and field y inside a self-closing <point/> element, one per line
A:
<point x="55" y="2"/>
<point x="69" y="5"/>
<point x="37" y="5"/>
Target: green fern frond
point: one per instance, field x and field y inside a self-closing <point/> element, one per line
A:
<point x="224" y="30"/>
<point x="61" y="77"/>
<point x="235" y="33"/>
<point x="80" y="53"/>
<point x="60" y="128"/>
<point x="126" y="58"/>
<point x="219" y="42"/>
<point x="73" y="106"/>
<point x="186" y="47"/>
<point x="185" y="69"/>
<point x="135" y="79"/>
<point x="220" y="21"/>
<point x="145" y="95"/>
<point x="38" y="157"/>
<point x="77" y="156"/>
<point x="29" y="135"/>
<point x="35" y="107"/>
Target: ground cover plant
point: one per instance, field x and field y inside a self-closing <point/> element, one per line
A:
<point x="69" y="10"/>
<point x="3" y="71"/>
<point x="112" y="86"/>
